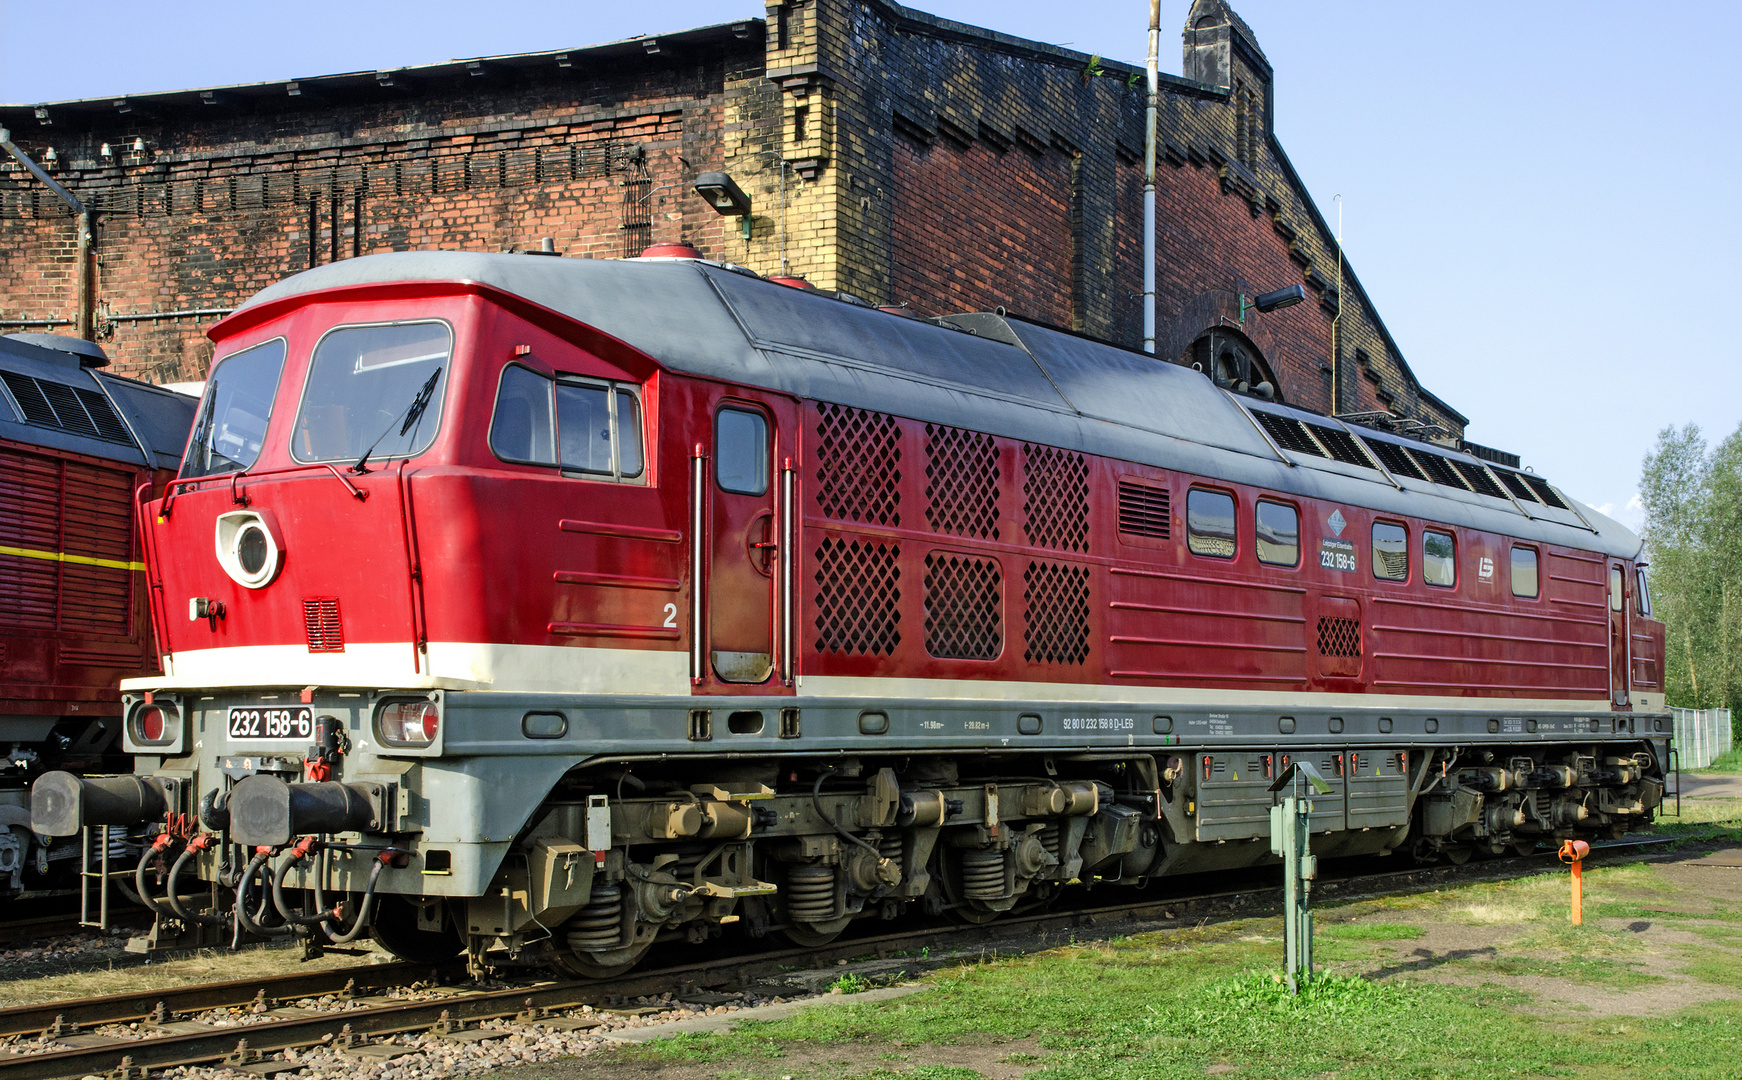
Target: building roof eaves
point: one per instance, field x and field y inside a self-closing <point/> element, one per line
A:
<point x="742" y="29"/>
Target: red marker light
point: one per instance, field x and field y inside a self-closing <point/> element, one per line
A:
<point x="431" y="722"/>
<point x="151" y="724"/>
<point x="409" y="723"/>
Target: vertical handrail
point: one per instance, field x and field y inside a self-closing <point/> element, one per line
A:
<point x="413" y="568"/>
<point x="788" y="557"/>
<point x="698" y="492"/>
<point x="153" y="575"/>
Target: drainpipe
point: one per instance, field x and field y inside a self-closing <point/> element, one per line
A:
<point x="1154" y="80"/>
<point x="82" y="316"/>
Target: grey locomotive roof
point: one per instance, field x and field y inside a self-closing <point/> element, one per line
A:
<point x="982" y="372"/>
<point x="107" y="416"/>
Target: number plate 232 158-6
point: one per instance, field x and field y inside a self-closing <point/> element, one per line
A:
<point x="295" y="723"/>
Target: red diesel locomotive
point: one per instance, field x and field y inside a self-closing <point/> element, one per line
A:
<point x="75" y="445"/>
<point x="547" y="608"/>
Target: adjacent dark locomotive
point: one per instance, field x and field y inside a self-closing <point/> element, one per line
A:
<point x="547" y="608"/>
<point x="76" y="445"/>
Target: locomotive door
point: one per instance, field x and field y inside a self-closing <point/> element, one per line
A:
<point x="744" y="543"/>
<point x="1620" y="663"/>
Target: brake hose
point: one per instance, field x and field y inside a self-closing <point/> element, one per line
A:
<point x="817" y="801"/>
<point x="363" y="909"/>
<point x="243" y="919"/>
<point x="172" y="897"/>
<point x="293" y="856"/>
<point x="156" y="848"/>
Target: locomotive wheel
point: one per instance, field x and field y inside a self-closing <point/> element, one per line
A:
<point x="586" y="965"/>
<point x="815" y="935"/>
<point x="394" y="928"/>
<point x="1458" y="854"/>
<point x="970" y="912"/>
<point x="1524" y="847"/>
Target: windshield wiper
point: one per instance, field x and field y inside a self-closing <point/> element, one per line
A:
<point x="412" y="414"/>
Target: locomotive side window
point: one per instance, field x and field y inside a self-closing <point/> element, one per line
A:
<point x="1278" y="534"/>
<point x="375" y="391"/>
<point x="232" y="423"/>
<point x="521" y="429"/>
<point x="1643" y="596"/>
<point x="741" y="451"/>
<point x="1210" y="523"/>
<point x="1615" y="590"/>
<point x="1439" y="564"/>
<point x="1524" y="571"/>
<point x="584" y="426"/>
<point x="1390" y="551"/>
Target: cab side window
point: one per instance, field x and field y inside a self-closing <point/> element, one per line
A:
<point x="1210" y="523"/>
<point x="1524" y="581"/>
<point x="589" y="427"/>
<point x="741" y="451"/>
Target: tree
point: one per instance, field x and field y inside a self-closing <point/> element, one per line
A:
<point x="1693" y="540"/>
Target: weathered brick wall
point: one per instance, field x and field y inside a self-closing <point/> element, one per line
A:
<point x="895" y="156"/>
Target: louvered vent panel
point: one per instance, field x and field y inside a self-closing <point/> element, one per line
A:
<point x="1144" y="510"/>
<point x="1396" y="458"/>
<point x="99" y="512"/>
<point x="28" y="393"/>
<point x="1545" y="494"/>
<point x="964" y="607"/>
<point x="68" y="408"/>
<point x="1055" y="601"/>
<point x="1515" y="484"/>
<point x="30" y="508"/>
<point x="1055" y="498"/>
<point x="858" y="456"/>
<point x="1339" y="637"/>
<point x="1478" y="478"/>
<point x="1437" y="468"/>
<point x="320" y="620"/>
<point x="102" y="413"/>
<point x="1289" y="433"/>
<point x="961" y="482"/>
<point x="858" y="597"/>
<point x="1341" y="445"/>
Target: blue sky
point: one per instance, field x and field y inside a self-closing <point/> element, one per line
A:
<point x="1536" y="196"/>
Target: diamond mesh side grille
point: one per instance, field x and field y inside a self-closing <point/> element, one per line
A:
<point x="964" y="604"/>
<point x="858" y="455"/>
<point x="1339" y="637"/>
<point x="1055" y="498"/>
<point x="320" y="623"/>
<point x="858" y="598"/>
<point x="961" y="482"/>
<point x="1055" y="598"/>
<point x="1144" y="510"/>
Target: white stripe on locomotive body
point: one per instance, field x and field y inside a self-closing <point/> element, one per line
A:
<point x="560" y="669"/>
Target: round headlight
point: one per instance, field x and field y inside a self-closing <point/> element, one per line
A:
<point x="153" y="725"/>
<point x="252" y="549"/>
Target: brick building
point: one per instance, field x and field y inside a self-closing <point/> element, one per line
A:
<point x="906" y="159"/>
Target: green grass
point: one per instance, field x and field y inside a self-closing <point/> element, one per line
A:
<point x="1368" y="932"/>
<point x="1173" y="1005"/>
<point x="1728" y="762"/>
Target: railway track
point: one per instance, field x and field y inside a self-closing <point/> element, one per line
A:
<point x="151" y="1030"/>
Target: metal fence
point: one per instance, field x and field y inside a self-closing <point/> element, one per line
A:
<point x="1701" y="735"/>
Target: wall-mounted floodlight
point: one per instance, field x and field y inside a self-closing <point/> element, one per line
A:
<point x="725" y="196"/>
<point x="1275" y="300"/>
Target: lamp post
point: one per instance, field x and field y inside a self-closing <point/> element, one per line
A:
<point x="1275" y="300"/>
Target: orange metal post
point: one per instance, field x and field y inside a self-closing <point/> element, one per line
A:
<point x="1573" y="853"/>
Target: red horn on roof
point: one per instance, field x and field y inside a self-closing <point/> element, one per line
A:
<point x="670" y="249"/>
<point x="791" y="281"/>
